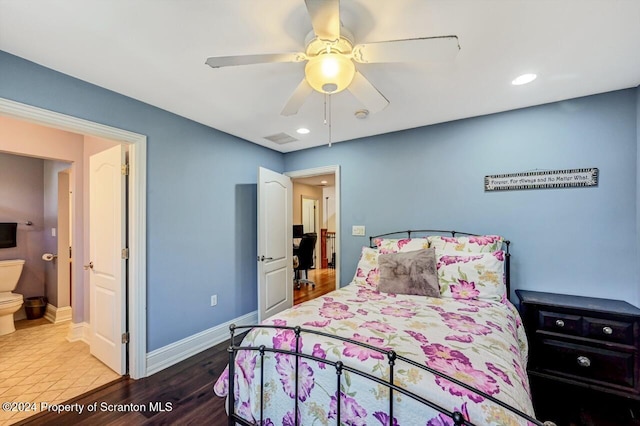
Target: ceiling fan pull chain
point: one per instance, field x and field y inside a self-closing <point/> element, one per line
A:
<point x="329" y="114"/>
<point x="325" y="109"/>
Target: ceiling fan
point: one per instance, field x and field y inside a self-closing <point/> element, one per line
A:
<point x="331" y="56"/>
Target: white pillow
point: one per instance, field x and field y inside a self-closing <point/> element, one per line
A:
<point x="471" y="275"/>
<point x="471" y="244"/>
<point x="367" y="271"/>
<point x="401" y="245"/>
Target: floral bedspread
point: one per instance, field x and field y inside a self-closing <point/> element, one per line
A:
<point x="481" y="343"/>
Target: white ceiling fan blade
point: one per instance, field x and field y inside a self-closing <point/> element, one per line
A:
<point x="325" y="18"/>
<point x="297" y="98"/>
<point x="229" y="61"/>
<point x="432" y="49"/>
<point x="367" y="94"/>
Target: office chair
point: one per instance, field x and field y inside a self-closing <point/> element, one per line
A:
<point x="305" y="258"/>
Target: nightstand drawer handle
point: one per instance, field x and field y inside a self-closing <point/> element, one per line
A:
<point x="583" y="361"/>
<point x="560" y="323"/>
<point x="607" y="330"/>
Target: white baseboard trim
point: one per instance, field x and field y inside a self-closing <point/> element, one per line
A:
<point x="57" y="315"/>
<point x="173" y="353"/>
<point x="79" y="332"/>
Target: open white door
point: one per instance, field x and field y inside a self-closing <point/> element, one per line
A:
<point x="275" y="249"/>
<point x="107" y="268"/>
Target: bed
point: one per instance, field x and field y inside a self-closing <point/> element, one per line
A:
<point x="360" y="356"/>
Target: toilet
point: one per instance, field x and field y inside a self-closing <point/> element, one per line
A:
<point x="10" y="271"/>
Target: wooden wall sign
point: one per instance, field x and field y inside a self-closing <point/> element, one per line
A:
<point x="542" y="179"/>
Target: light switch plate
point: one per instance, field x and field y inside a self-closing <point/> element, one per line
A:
<point x="358" y="230"/>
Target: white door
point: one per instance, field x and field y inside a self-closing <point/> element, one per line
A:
<point x="107" y="269"/>
<point x="275" y="243"/>
<point x="309" y="214"/>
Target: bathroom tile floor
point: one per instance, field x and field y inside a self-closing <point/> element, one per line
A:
<point x="38" y="365"/>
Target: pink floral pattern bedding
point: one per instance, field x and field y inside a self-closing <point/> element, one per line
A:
<point x="481" y="343"/>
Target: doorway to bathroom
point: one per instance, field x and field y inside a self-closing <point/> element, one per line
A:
<point x="38" y="190"/>
<point x="135" y="294"/>
<point x="38" y="362"/>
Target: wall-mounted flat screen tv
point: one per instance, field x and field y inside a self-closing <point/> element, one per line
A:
<point x="8" y="234"/>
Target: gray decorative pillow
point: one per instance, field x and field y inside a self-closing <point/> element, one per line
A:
<point x="413" y="272"/>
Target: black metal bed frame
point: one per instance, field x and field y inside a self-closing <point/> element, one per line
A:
<point x="392" y="358"/>
<point x="507" y="243"/>
<point x="391" y="355"/>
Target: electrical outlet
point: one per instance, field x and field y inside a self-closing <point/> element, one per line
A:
<point x="357" y="230"/>
<point x="214" y="300"/>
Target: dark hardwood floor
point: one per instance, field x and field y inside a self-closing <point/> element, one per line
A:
<point x="184" y="390"/>
<point x="325" y="280"/>
<point x="570" y="406"/>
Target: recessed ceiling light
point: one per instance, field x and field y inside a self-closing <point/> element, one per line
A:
<point x="303" y="130"/>
<point x="362" y="114"/>
<point x="524" y="79"/>
<point x="324" y="182"/>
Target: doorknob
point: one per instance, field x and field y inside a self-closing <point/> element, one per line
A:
<point x="89" y="266"/>
<point x="262" y="258"/>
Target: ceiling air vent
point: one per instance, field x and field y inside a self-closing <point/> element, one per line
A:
<point x="281" y="138"/>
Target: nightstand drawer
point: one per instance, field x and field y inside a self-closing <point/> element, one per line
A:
<point x="586" y="342"/>
<point x="561" y="323"/>
<point x="613" y="331"/>
<point x="586" y="362"/>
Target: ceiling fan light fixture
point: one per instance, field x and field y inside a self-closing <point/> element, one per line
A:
<point x="329" y="72"/>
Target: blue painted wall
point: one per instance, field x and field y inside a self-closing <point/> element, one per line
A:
<point x="202" y="193"/>
<point x="201" y="200"/>
<point x="577" y="241"/>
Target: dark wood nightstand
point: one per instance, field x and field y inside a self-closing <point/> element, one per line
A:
<point x="583" y="342"/>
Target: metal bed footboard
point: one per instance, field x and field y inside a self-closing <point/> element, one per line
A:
<point x="392" y="357"/>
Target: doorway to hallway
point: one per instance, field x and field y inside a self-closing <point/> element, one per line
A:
<point x="316" y="211"/>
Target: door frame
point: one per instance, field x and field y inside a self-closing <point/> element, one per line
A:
<point x="136" y="215"/>
<point x="64" y="223"/>
<point x="326" y="170"/>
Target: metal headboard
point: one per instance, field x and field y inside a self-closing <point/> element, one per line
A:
<point x="507" y="243"/>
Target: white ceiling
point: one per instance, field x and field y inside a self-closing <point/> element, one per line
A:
<point x="154" y="51"/>
<point x="317" y="180"/>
